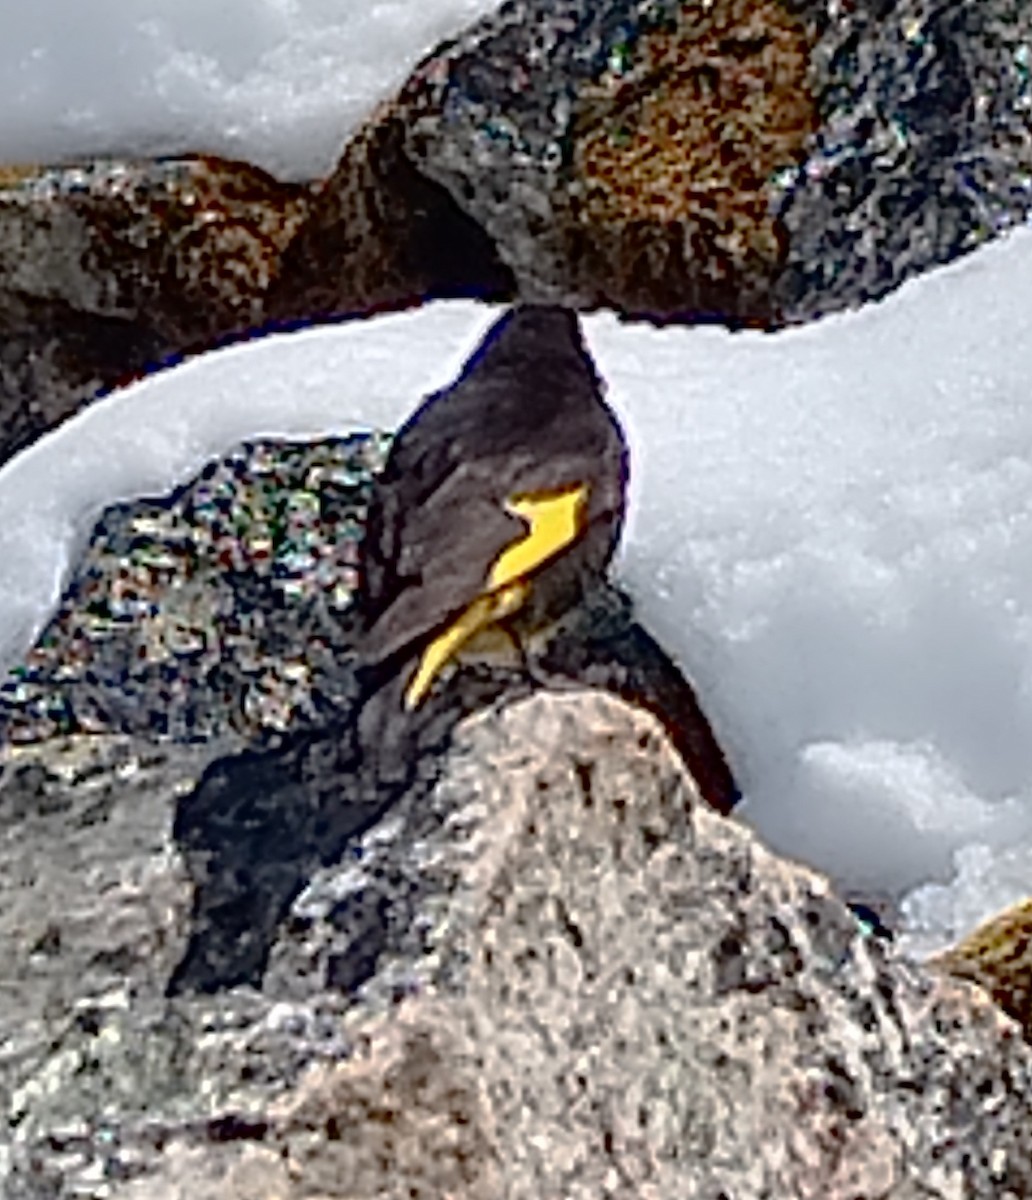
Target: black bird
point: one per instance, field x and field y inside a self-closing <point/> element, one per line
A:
<point x="501" y="502"/>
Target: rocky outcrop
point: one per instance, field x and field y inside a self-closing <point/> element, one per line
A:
<point x="222" y="607"/>
<point x="547" y="971"/>
<point x="735" y="162"/>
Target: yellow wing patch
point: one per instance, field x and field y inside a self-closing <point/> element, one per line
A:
<point x="555" y="520"/>
<point x="485" y="610"/>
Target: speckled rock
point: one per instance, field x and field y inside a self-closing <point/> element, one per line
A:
<point x="997" y="955"/>
<point x="546" y="971"/>
<point x="226" y="608"/>
<point x="748" y="163"/>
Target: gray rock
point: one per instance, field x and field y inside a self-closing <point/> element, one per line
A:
<point x="109" y="268"/>
<point x="223" y="605"/>
<point x="915" y="146"/>
<point x="586" y="984"/>
<point x="924" y="150"/>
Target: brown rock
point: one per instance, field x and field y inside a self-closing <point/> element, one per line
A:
<point x="185" y="247"/>
<point x="998" y="957"/>
<point x="634" y="170"/>
<point x="669" y="210"/>
<point x="382" y="235"/>
<point x="110" y="267"/>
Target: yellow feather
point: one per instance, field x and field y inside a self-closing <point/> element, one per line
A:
<point x="485" y="610"/>
<point x="555" y="520"/>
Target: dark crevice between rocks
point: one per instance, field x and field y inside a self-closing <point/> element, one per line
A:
<point x="54" y="359"/>
<point x="382" y="236"/>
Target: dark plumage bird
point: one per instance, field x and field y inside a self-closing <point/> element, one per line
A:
<point x="501" y="501"/>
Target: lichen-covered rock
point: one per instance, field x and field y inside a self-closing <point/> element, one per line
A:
<point x="185" y="246"/>
<point x="748" y="163"/>
<point x="732" y="161"/>
<point x="108" y="268"/>
<point x="546" y="971"/>
<point x="997" y="955"/>
<point x="619" y="153"/>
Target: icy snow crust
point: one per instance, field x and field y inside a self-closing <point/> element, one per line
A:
<point x="831" y="529"/>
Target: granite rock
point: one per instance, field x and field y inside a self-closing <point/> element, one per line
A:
<point x="223" y="606"/>
<point x="546" y="970"/>
<point x="746" y="163"/>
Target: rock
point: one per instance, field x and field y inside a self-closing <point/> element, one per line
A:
<point x="184" y="246"/>
<point x="546" y="971"/>
<point x="749" y="163"/>
<point x="110" y="266"/>
<point x="617" y="156"/>
<point x="381" y="235"/>
<point x="54" y="359"/>
<point x="924" y="150"/>
<point x="226" y="608"/>
<point x="998" y="957"/>
<point x="744" y="163"/>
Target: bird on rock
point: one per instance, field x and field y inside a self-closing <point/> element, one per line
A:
<point x="500" y="504"/>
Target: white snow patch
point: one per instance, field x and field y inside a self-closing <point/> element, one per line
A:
<point x="278" y="82"/>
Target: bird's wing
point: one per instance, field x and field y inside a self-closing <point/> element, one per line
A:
<point x="443" y="551"/>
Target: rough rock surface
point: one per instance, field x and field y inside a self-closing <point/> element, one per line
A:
<point x="547" y="971"/>
<point x="382" y="235"/>
<point x="226" y="607"/>
<point x="731" y="161"/>
<point x="109" y="267"/>
<point x="618" y="153"/>
<point x="734" y="161"/>
<point x="924" y="150"/>
<point x="997" y="955"/>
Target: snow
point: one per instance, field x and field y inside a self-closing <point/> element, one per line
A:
<point x="831" y="527"/>
<point x="279" y="82"/>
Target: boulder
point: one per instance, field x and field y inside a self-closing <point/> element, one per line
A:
<point x="546" y="971"/>
<point x="736" y="162"/>
<point x="107" y="268"/>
